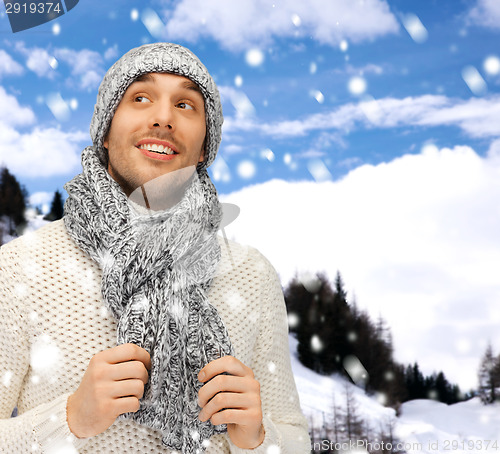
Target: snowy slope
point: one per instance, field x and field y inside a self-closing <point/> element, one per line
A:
<point x="424" y="426"/>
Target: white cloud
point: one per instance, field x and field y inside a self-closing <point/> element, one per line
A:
<point x="87" y="65"/>
<point x="11" y="113"/>
<point x="8" y="66"/>
<point x="40" y="152"/>
<point x="478" y="117"/>
<point x="38" y="60"/>
<point x="485" y="13"/>
<point x="416" y="239"/>
<point x="248" y="23"/>
<point x="111" y="52"/>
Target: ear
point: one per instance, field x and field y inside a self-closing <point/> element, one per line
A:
<point x="203" y="151"/>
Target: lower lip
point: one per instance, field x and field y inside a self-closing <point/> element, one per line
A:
<point x="157" y="156"/>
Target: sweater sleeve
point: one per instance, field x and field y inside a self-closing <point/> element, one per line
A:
<point x="42" y="428"/>
<point x="286" y="430"/>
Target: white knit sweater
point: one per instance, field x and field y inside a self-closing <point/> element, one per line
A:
<point x="52" y="321"/>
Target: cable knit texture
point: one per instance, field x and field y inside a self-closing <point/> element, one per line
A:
<point x="54" y="320"/>
<point x="156" y="270"/>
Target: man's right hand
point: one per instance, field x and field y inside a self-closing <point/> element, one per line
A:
<point x="112" y="384"/>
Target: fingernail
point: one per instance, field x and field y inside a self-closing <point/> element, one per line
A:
<point x="201" y="376"/>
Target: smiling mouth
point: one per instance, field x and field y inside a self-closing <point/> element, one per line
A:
<point x="159" y="149"/>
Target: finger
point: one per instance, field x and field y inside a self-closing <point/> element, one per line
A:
<point x="224" y="401"/>
<point x="127" y="352"/>
<point x="129" y="369"/>
<point x="235" y="416"/>
<point x="228" y="364"/>
<point x="125" y="405"/>
<point x="223" y="383"/>
<point x="126" y="388"/>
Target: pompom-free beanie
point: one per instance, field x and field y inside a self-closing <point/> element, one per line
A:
<point x="156" y="58"/>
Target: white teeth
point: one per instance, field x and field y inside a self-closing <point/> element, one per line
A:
<point x="158" y="148"/>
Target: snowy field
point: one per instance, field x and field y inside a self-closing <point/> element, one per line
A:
<point x="424" y="426"/>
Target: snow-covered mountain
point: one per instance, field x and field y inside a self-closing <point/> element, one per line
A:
<point x="424" y="426"/>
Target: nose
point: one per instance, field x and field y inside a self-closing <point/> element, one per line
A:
<point x="162" y="116"/>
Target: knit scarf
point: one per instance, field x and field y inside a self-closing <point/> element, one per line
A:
<point x="156" y="273"/>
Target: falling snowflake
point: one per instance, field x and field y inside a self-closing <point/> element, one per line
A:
<point x="104" y="312"/>
<point x="238" y="81"/>
<point x="63" y="447"/>
<point x="272" y="367"/>
<point x="56" y="29"/>
<point x="220" y="170"/>
<point x="7" y="377"/>
<point x="296" y="20"/>
<point x="433" y="394"/>
<point x="316" y="344"/>
<point x="415" y="28"/>
<point x="254" y="57"/>
<point x="152" y="22"/>
<point x="73" y="103"/>
<point x="381" y="398"/>
<point x="355" y="369"/>
<point x="273" y="449"/>
<point x="311" y="283"/>
<point x="492" y="65"/>
<point x="235" y="301"/>
<point x="58" y="106"/>
<point x="293" y="320"/>
<point x="44" y="354"/>
<point x="134" y="14"/>
<point x="195" y="435"/>
<point x="463" y="345"/>
<point x="344" y="45"/>
<point x="141" y="304"/>
<point x="246" y="169"/>
<point x="357" y="85"/>
<point x="474" y="80"/>
<point x="318" y="170"/>
<point x="21" y="290"/>
<point x="313" y="67"/>
<point x="318" y="96"/>
<point x="268" y="154"/>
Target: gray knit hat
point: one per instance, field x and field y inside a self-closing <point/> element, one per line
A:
<point x="156" y="58"/>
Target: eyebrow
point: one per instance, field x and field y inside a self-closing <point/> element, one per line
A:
<point x="187" y="84"/>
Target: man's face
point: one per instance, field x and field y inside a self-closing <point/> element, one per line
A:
<point x="156" y="110"/>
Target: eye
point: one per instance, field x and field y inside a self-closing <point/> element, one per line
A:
<point x="185" y="105"/>
<point x="141" y="99"/>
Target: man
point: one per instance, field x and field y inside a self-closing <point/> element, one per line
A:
<point x="202" y="358"/>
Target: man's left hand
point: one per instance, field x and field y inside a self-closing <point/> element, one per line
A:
<point x="232" y="399"/>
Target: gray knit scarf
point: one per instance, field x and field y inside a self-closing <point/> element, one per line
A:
<point x="156" y="273"/>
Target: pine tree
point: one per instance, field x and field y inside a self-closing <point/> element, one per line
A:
<point x="56" y="208"/>
<point x="353" y="422"/>
<point x="13" y="201"/>
<point x="489" y="377"/>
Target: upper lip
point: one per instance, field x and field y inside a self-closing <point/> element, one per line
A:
<point x="157" y="142"/>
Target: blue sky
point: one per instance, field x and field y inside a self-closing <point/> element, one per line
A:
<point x="284" y="69"/>
<point x="360" y="136"/>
